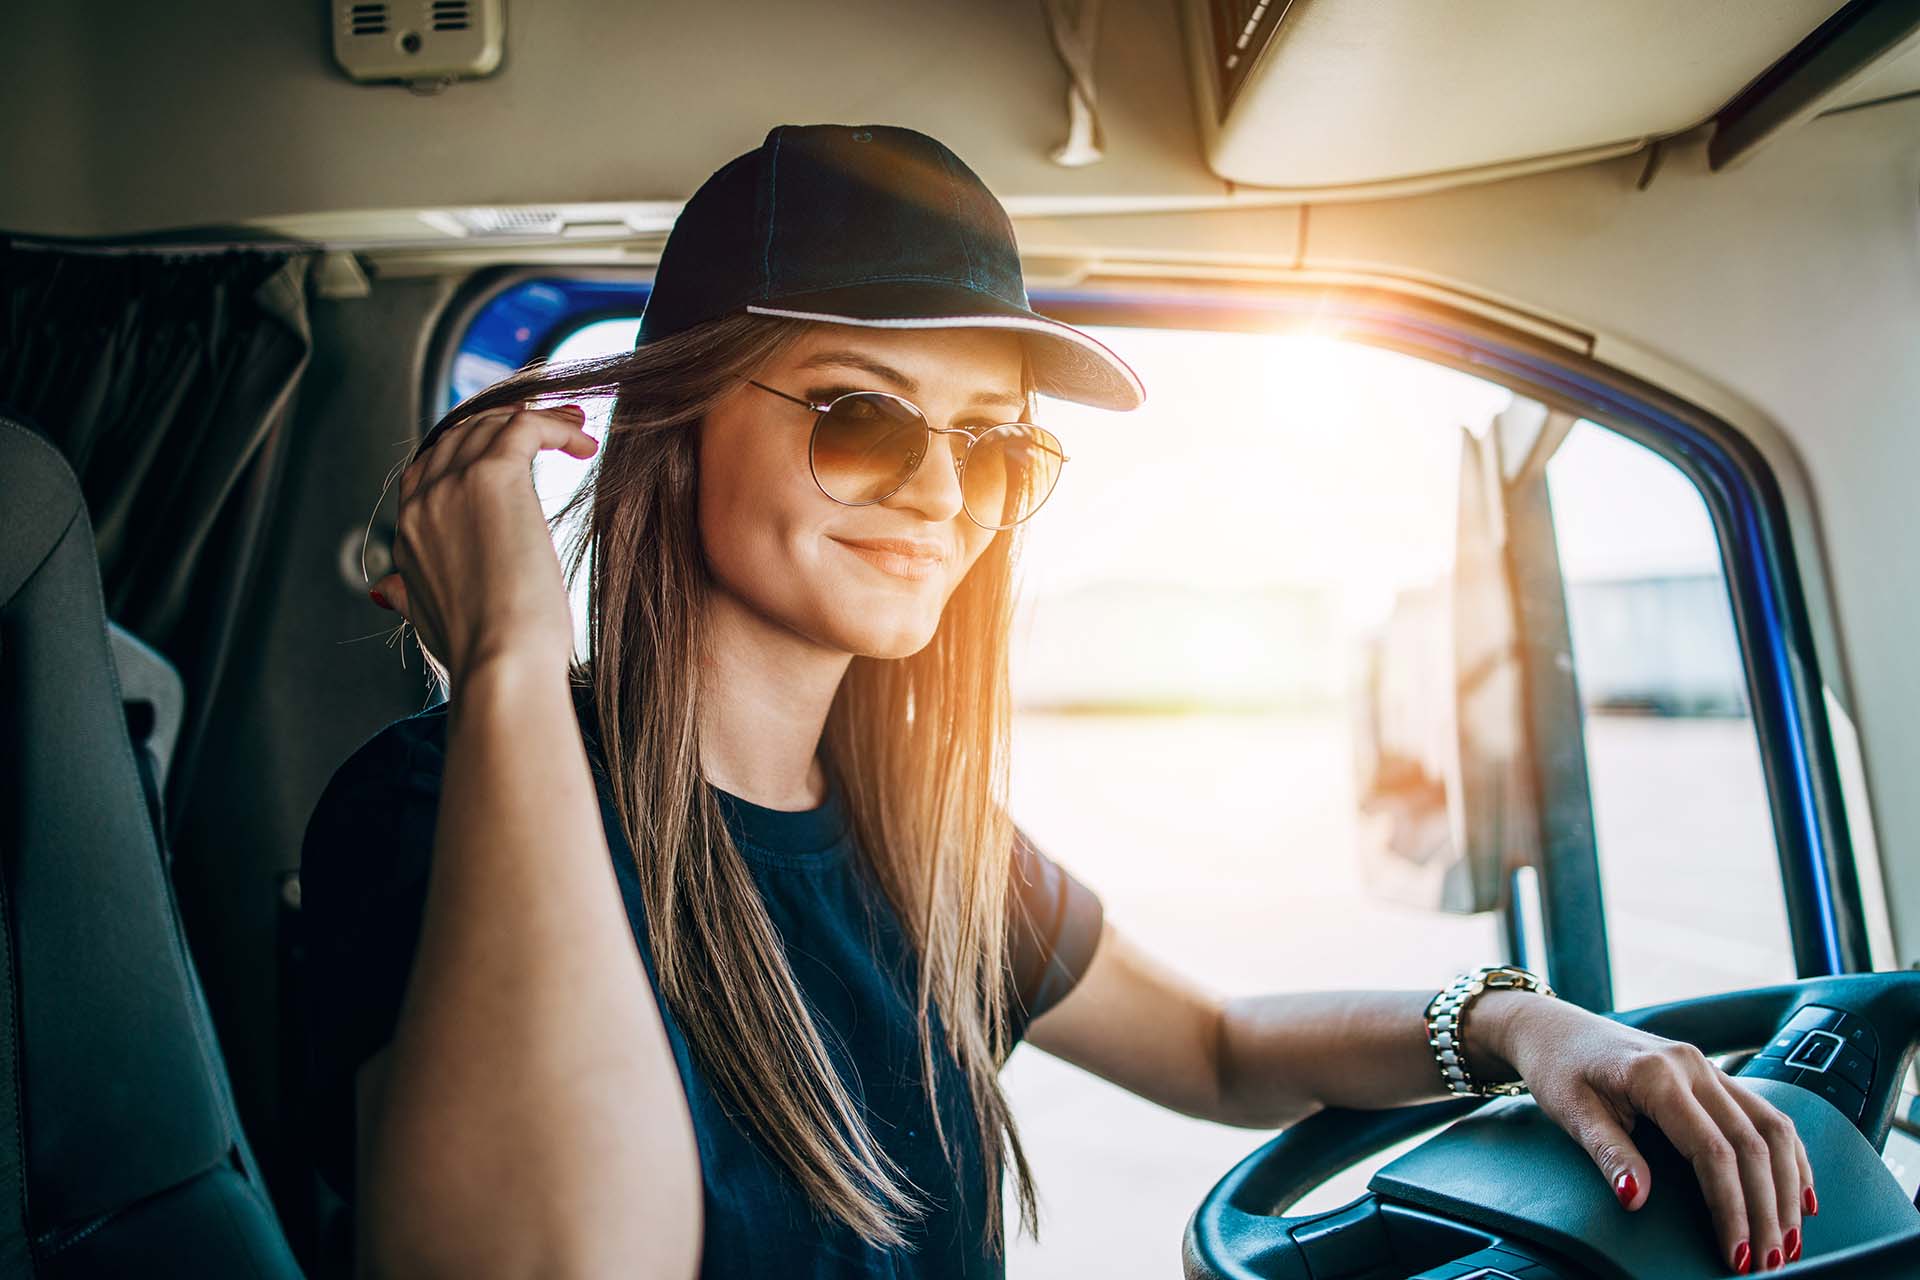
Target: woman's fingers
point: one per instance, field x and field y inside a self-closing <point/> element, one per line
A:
<point x="1809" y="1202"/>
<point x="1792" y="1173"/>
<point x="1596" y="1128"/>
<point x="434" y="461"/>
<point x="1764" y="1156"/>
<point x="390" y="592"/>
<point x="477" y="440"/>
<point x="524" y="434"/>
<point x="512" y="429"/>
<point x="440" y="457"/>
<point x="1662" y="1087"/>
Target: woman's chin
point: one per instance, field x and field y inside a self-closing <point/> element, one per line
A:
<point x="887" y="634"/>
<point x="895" y="621"/>
<point x="897" y="644"/>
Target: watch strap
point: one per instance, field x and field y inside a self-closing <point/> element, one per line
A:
<point x="1447" y="1018"/>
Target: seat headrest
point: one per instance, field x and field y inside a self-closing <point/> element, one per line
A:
<point x="42" y="498"/>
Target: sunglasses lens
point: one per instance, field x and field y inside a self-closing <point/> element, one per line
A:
<point x="866" y="446"/>
<point x="1010" y="472"/>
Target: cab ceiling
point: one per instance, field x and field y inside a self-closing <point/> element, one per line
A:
<point x="233" y="111"/>
<point x="602" y="118"/>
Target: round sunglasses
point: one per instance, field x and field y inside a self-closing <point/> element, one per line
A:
<point x="866" y="445"/>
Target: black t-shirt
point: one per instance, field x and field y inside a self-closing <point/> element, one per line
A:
<point x="363" y="890"/>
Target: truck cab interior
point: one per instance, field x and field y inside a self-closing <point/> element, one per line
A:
<point x="1535" y="585"/>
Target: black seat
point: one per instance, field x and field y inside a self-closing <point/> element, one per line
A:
<point x="121" y="1153"/>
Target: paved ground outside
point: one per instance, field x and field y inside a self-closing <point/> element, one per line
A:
<point x="1226" y="845"/>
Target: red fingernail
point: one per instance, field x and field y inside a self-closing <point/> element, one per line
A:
<point x="1773" y="1258"/>
<point x="1742" y="1258"/>
<point x="1811" y="1201"/>
<point x="379" y="599"/>
<point x="1625" y="1187"/>
<point x="1793" y="1244"/>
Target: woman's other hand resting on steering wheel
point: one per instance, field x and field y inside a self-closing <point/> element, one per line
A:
<point x="1593" y="1076"/>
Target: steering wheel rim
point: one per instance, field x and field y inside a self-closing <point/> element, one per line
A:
<point x="1239" y="1231"/>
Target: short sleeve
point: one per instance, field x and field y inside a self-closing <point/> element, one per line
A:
<point x="1053" y="928"/>
<point x="363" y="885"/>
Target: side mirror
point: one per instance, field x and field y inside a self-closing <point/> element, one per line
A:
<point x="1444" y="785"/>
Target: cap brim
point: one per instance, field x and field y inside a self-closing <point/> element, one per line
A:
<point x="1067" y="363"/>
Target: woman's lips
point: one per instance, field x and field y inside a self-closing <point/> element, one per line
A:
<point x="914" y="568"/>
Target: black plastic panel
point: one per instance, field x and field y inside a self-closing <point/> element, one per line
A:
<point x="1509" y="1169"/>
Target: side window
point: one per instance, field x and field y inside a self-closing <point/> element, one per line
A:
<point x="1688" y="864"/>
<point x="1196" y="601"/>
<point x="555" y="474"/>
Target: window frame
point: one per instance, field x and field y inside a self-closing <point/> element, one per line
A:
<point x="1825" y="911"/>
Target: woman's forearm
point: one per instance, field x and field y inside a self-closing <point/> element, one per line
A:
<point x="1284" y="1056"/>
<point x="532" y="1119"/>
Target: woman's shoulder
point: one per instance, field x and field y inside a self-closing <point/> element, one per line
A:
<point x="408" y="752"/>
<point x="372" y="824"/>
<point x="402" y="763"/>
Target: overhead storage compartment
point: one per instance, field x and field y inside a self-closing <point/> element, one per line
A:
<point x="1359" y="97"/>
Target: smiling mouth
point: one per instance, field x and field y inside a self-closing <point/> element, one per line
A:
<point x="914" y="568"/>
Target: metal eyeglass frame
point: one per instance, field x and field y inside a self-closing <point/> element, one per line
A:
<point x="959" y="464"/>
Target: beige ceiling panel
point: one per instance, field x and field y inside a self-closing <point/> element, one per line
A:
<point x="1359" y="92"/>
<point x="136" y="129"/>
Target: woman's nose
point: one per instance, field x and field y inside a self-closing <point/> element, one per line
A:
<point x="934" y="488"/>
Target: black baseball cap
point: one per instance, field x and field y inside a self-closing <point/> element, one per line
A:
<point x="869" y="225"/>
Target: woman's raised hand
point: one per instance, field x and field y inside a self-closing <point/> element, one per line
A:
<point x="475" y="570"/>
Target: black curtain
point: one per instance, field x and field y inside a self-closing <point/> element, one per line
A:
<point x="167" y="378"/>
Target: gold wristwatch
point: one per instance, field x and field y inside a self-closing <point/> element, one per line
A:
<point x="1447" y="1024"/>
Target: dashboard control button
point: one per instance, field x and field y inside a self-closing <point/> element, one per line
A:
<point x="1781" y="1045"/>
<point x="1771" y="1069"/>
<point x="1853" y="1066"/>
<point x="1855" y="1031"/>
<point x="1851" y="1102"/>
<point x="1813" y="1017"/>
<point x="1815" y="1050"/>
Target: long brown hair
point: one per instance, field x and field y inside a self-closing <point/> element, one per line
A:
<point x="920" y="743"/>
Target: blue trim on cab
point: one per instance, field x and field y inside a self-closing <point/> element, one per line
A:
<point x="524" y="321"/>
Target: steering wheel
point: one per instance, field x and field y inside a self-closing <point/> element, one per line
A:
<point x="1505" y="1192"/>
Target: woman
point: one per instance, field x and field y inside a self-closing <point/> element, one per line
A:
<point x="702" y="956"/>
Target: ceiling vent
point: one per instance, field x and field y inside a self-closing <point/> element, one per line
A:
<point x="367" y="19"/>
<point x="421" y="41"/>
<point x="507" y="221"/>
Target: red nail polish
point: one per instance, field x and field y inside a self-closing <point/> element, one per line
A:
<point x="379" y="599"/>
<point x="1773" y="1258"/>
<point x="1625" y="1187"/>
<point x="1793" y="1244"/>
<point x="1742" y="1258"/>
<point x="1811" y="1201"/>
